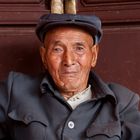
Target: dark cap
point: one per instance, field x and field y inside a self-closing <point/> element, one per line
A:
<point x="91" y="24"/>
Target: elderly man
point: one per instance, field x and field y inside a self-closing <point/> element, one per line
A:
<point x="69" y="101"/>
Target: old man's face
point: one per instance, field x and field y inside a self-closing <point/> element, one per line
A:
<point x="68" y="56"/>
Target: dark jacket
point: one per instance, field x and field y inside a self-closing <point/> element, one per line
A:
<point x="32" y="109"/>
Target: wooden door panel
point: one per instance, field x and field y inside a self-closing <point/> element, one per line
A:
<point x="19" y="51"/>
<point x="19" y="1"/>
<point x="107" y="1"/>
<point x="23" y="12"/>
<point x="119" y="57"/>
<point x="112" y="11"/>
<point x="18" y="42"/>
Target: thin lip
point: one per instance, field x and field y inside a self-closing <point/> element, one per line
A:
<point x="69" y="73"/>
<point x="69" y="70"/>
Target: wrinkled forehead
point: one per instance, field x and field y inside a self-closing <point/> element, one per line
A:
<point x="64" y="29"/>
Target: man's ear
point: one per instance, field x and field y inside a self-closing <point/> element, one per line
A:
<point x="95" y="50"/>
<point x="43" y="54"/>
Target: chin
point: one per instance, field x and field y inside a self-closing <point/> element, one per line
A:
<point x="70" y="88"/>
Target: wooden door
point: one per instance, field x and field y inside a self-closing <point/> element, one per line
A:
<point x="119" y="50"/>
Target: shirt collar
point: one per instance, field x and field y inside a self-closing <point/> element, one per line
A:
<point x="80" y="97"/>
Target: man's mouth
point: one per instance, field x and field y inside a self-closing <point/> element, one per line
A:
<point x="69" y="73"/>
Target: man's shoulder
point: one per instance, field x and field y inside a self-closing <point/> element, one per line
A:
<point x="124" y="96"/>
<point x="18" y="78"/>
<point x="18" y="89"/>
<point x="21" y="84"/>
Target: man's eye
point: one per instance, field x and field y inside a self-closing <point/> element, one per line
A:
<point x="57" y="49"/>
<point x="79" y="49"/>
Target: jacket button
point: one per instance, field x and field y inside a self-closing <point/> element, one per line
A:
<point x="71" y="124"/>
<point x="28" y="118"/>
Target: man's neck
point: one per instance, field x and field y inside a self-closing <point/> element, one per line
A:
<point x="68" y="95"/>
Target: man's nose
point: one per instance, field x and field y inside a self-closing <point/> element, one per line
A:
<point x="68" y="58"/>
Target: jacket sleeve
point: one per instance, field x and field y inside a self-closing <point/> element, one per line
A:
<point x="4" y="103"/>
<point x="128" y="105"/>
<point x="130" y="118"/>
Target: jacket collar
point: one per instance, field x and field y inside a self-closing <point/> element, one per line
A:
<point x="100" y="88"/>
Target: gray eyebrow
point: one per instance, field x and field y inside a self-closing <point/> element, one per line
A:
<point x="79" y="43"/>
